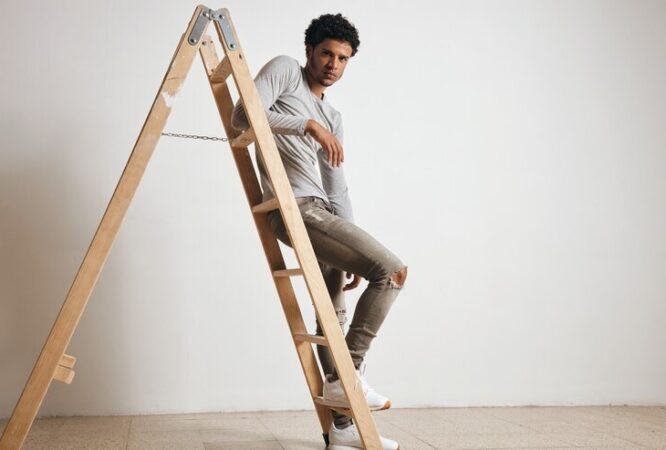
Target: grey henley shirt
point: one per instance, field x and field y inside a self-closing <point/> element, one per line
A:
<point x="289" y="103"/>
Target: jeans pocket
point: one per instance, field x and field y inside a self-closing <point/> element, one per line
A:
<point x="302" y="201"/>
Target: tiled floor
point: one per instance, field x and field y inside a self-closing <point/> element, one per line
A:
<point x="616" y="427"/>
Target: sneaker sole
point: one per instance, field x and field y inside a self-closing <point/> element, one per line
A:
<point x="386" y="405"/>
<point x="345" y="447"/>
<point x="345" y="405"/>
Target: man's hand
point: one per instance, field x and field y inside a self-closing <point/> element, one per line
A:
<point x="328" y="142"/>
<point x="355" y="282"/>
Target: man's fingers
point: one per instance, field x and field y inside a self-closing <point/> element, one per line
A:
<point x="334" y="153"/>
<point x="338" y="154"/>
<point x="355" y="282"/>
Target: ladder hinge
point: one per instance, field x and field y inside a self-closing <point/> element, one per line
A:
<point x="220" y="16"/>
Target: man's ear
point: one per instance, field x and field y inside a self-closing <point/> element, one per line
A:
<point x="308" y="51"/>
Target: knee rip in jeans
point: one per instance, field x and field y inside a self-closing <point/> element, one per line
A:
<point x="397" y="280"/>
<point x="342" y="320"/>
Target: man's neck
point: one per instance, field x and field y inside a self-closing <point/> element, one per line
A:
<point x="316" y="88"/>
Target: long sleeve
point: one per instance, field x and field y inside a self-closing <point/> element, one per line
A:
<point x="279" y="75"/>
<point x="334" y="181"/>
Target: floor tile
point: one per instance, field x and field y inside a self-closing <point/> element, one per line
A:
<point x="524" y="428"/>
<point x="254" y="445"/>
<point x="167" y="440"/>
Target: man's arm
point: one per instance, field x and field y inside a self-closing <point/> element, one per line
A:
<point x="334" y="182"/>
<point x="277" y="76"/>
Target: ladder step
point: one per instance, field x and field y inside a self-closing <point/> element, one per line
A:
<point x="314" y="338"/>
<point x="266" y="206"/>
<point x="221" y="72"/>
<point x="342" y="408"/>
<point x="244" y="139"/>
<point x="287" y="272"/>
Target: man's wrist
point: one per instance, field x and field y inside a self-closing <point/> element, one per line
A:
<point x="310" y="126"/>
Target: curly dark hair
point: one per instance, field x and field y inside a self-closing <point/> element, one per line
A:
<point x="330" y="26"/>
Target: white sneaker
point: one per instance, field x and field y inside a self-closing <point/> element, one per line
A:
<point x="376" y="401"/>
<point x="349" y="439"/>
<point x="335" y="395"/>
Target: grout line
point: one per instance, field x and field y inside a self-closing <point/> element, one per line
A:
<point x="270" y="431"/>
<point x="408" y="433"/>
<point x="129" y="431"/>
<point x="586" y="427"/>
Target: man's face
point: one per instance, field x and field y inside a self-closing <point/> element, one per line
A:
<point x="327" y="61"/>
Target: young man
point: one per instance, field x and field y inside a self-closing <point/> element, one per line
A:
<point x="308" y="133"/>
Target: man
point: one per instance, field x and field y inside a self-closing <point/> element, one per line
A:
<point x="308" y="133"/>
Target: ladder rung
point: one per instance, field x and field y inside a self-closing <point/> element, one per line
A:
<point x="64" y="374"/>
<point x="268" y="205"/>
<point x="287" y="272"/>
<point x="221" y="72"/>
<point x="244" y="139"/>
<point x="346" y="409"/>
<point x="314" y="338"/>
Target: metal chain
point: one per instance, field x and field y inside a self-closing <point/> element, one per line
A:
<point x="196" y="136"/>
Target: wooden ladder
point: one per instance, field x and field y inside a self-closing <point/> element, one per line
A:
<point x="54" y="364"/>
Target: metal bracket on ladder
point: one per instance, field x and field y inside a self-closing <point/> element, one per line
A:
<point x="218" y="16"/>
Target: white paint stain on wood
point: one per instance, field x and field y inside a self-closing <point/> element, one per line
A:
<point x="169" y="98"/>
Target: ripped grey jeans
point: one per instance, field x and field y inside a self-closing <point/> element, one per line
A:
<point x="340" y="246"/>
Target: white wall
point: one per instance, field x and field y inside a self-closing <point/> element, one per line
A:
<point x="512" y="153"/>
